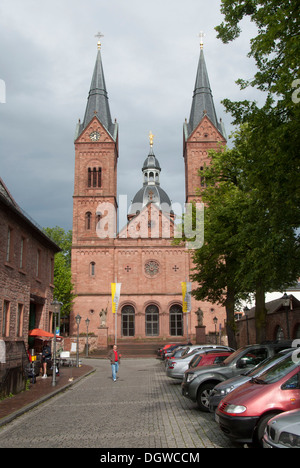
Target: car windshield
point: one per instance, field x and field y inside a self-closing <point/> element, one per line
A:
<point x="233" y="356"/>
<point x="195" y="361"/>
<point x="193" y="351"/>
<point x="279" y="370"/>
<point x="267" y="362"/>
<point x="186" y="351"/>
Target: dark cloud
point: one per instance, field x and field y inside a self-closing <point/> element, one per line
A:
<point x="150" y="54"/>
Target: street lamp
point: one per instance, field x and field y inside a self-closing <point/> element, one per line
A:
<point x="56" y="311"/>
<point x="215" y="320"/>
<point x="87" y="322"/>
<point x="286" y="305"/>
<point x="78" y="319"/>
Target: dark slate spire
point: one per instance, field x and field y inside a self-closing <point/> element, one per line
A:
<point x="97" y="104"/>
<point x="203" y="103"/>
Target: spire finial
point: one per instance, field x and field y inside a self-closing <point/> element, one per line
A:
<point x="202" y="36"/>
<point x="151" y="136"/>
<point x="99" y="35"/>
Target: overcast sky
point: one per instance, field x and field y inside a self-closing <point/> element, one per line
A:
<point x="150" y="53"/>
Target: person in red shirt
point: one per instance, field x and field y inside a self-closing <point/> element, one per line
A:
<point x="114" y="358"/>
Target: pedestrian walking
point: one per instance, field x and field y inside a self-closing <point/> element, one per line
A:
<point x="46" y="357"/>
<point x="114" y="358"/>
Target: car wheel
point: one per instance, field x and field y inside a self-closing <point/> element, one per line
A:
<point x="261" y="426"/>
<point x="203" y="395"/>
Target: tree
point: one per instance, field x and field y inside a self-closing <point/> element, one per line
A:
<point x="271" y="240"/>
<point x="63" y="286"/>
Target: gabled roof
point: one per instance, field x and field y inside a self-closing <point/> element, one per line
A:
<point x="150" y="222"/>
<point x="10" y="204"/>
<point x="4" y="192"/>
<point x="274" y="306"/>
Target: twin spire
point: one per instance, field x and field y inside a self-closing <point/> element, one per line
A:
<point x="97" y="103"/>
<point x="202" y="103"/>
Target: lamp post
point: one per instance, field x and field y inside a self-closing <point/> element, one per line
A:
<point x="87" y="322"/>
<point x="286" y="305"/>
<point x="78" y="319"/>
<point x="56" y="312"/>
<point x="215" y="320"/>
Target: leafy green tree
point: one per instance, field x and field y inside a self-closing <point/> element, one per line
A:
<point x="63" y="286"/>
<point x="269" y="240"/>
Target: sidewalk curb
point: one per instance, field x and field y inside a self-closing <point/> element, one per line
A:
<point x="30" y="406"/>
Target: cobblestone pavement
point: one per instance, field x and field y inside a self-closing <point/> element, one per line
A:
<point x="142" y="409"/>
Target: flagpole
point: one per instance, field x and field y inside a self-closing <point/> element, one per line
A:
<point x="116" y="323"/>
<point x="187" y="320"/>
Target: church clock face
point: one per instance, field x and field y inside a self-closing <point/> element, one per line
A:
<point x="95" y="136"/>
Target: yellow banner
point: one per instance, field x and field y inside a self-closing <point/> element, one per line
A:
<point x="115" y="295"/>
<point x="186" y="296"/>
<point x="184" y="301"/>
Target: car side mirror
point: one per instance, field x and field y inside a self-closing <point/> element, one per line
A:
<point x="242" y="363"/>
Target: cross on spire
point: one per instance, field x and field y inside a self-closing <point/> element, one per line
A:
<point x="99" y="35"/>
<point x="202" y="36"/>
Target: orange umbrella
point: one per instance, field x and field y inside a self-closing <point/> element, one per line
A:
<point x="40" y="332"/>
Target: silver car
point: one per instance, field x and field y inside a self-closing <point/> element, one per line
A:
<point x="283" y="431"/>
<point x="177" y="367"/>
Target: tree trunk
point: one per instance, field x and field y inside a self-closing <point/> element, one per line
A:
<point x="260" y="314"/>
<point x="230" y="322"/>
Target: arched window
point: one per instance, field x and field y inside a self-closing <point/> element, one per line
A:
<point x="92" y="268"/>
<point x="94" y="177"/>
<point x="176" y="320"/>
<point x="202" y="178"/>
<point x="279" y="333"/>
<point x="296" y="333"/>
<point x="88" y="219"/>
<point x="128" y="321"/>
<point x="152" y="321"/>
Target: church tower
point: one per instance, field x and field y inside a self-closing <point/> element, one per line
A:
<point x="96" y="158"/>
<point x="201" y="133"/>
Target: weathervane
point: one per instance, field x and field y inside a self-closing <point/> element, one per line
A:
<point x="202" y="36"/>
<point x="99" y="35"/>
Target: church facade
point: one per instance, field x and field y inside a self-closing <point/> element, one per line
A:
<point x="141" y="256"/>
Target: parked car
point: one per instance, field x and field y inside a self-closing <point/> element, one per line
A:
<point x="283" y="431"/>
<point x="168" y="348"/>
<point x="176" y="353"/>
<point x="198" y="383"/>
<point x="244" y="413"/>
<point x="177" y="367"/>
<point x="223" y="388"/>
<point x="161" y="350"/>
<point x="209" y="357"/>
